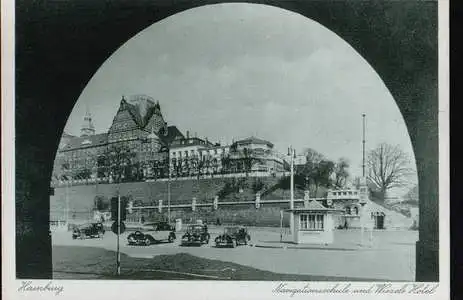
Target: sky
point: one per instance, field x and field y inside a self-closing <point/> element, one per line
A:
<point x="231" y="71"/>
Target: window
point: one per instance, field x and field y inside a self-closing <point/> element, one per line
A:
<point x="348" y="210"/>
<point x="356" y="210"/>
<point x="311" y="222"/>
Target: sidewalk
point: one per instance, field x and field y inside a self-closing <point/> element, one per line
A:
<point x="343" y="241"/>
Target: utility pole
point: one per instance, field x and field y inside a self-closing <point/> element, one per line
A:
<point x="168" y="187"/>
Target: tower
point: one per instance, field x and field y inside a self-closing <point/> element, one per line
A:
<point x="87" y="126"/>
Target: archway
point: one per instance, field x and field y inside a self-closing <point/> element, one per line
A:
<point x="59" y="49"/>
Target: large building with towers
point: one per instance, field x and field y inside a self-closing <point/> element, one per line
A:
<point x="140" y="145"/>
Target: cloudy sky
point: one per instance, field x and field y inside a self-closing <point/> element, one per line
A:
<point x="230" y="71"/>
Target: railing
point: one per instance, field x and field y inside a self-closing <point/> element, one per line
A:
<point x="93" y="181"/>
<point x="219" y="203"/>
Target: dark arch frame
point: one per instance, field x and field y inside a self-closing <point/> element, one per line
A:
<point x="60" y="45"/>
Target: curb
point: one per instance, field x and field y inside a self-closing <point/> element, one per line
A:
<point x="306" y="248"/>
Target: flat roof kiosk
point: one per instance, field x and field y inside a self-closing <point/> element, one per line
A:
<point x="313" y="223"/>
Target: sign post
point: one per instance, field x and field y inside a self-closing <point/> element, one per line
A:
<point x="118" y="227"/>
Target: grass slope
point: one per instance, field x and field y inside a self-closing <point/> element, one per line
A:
<point x="96" y="263"/>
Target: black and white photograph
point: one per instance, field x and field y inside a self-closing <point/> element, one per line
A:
<point x="195" y="149"/>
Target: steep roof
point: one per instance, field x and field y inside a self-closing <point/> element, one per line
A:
<point x="141" y="108"/>
<point x="86" y="141"/>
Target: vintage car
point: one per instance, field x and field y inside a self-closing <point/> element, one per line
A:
<point x="152" y="233"/>
<point x="232" y="237"/>
<point x="91" y="230"/>
<point x="195" y="235"/>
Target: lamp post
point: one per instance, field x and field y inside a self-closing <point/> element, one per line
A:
<point x="292" y="156"/>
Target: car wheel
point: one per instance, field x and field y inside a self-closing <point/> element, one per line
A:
<point x="147" y="242"/>
<point x="74" y="237"/>
<point x="170" y="239"/>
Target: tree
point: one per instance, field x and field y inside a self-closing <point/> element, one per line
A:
<point x="388" y="167"/>
<point x="84" y="173"/>
<point x="257" y="185"/>
<point x="225" y="161"/>
<point x="249" y="160"/>
<point x="119" y="162"/>
<point x="341" y="173"/>
<point x="316" y="172"/>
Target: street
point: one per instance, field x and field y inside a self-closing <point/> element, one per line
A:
<point x="390" y="257"/>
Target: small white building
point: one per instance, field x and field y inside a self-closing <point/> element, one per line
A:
<point x="313" y="223"/>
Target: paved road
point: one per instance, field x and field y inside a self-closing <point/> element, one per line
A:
<point x="391" y="258"/>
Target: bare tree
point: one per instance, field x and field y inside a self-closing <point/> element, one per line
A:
<point x="388" y="167"/>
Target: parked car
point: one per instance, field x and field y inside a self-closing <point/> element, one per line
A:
<point x="232" y="237"/>
<point x="152" y="233"/>
<point x="91" y="230"/>
<point x="196" y="235"/>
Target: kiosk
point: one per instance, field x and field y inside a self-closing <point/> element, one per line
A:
<point x="313" y="223"/>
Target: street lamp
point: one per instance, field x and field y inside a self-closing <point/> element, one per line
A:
<point x="292" y="156"/>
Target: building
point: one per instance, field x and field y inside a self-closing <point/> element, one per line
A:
<point x="140" y="145"/>
<point x="138" y="135"/>
<point x="255" y="155"/>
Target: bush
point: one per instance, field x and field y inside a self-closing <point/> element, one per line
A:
<point x="257" y="185"/>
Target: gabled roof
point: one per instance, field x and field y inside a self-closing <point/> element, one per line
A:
<point x="141" y="108"/>
<point x="86" y="141"/>
<point x="254" y="140"/>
